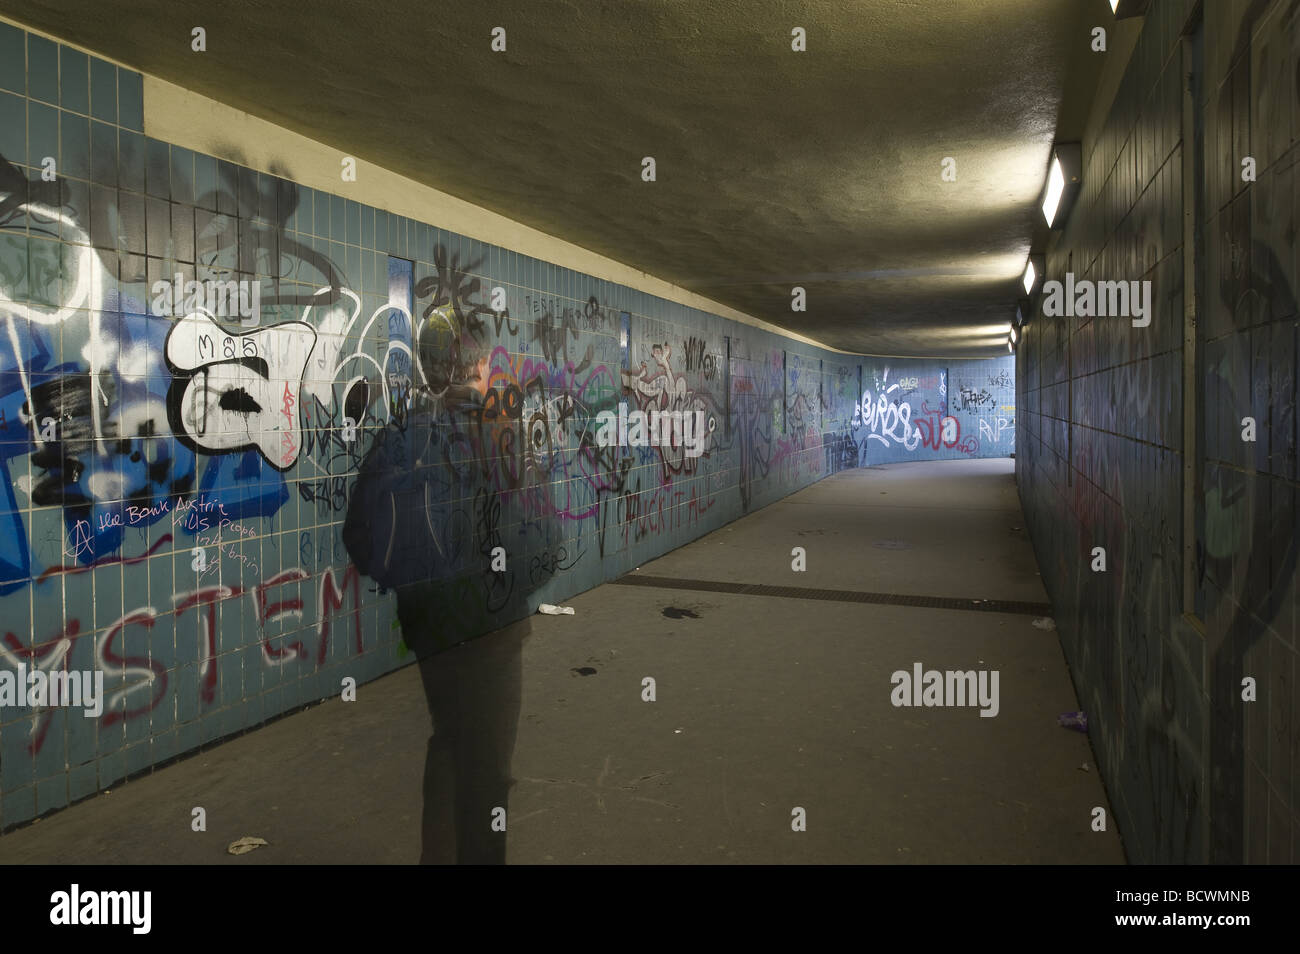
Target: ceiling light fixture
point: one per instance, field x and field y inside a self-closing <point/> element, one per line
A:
<point x="1024" y="308"/>
<point x="1033" y="273"/>
<point x="1063" y="178"/>
<point x="1124" y="9"/>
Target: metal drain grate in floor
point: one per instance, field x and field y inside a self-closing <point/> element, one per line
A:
<point x="837" y="596"/>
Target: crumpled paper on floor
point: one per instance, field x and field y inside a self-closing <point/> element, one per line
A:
<point x="1073" y="720"/>
<point x="246" y="844"/>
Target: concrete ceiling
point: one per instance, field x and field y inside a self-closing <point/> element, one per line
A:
<point x="774" y="168"/>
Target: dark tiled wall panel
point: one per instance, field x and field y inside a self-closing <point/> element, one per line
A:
<point x="1195" y="773"/>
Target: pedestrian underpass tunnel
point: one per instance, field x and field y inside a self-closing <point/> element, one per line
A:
<point x="782" y="432"/>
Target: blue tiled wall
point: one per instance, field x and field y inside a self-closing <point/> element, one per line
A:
<point x="379" y="379"/>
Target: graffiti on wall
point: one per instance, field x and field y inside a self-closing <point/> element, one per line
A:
<point x="1163" y="639"/>
<point x="190" y="499"/>
<point x="900" y="414"/>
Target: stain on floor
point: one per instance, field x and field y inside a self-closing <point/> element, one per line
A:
<point x="676" y="612"/>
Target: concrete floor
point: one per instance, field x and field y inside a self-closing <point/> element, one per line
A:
<point x="763" y="705"/>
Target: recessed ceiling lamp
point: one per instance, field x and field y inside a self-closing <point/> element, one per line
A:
<point x="1128" y="8"/>
<point x="1024" y="308"/>
<point x="1033" y="273"/>
<point x="1063" y="178"/>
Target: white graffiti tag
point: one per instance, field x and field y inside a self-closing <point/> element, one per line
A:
<point x="887" y="420"/>
<point x="243" y="389"/>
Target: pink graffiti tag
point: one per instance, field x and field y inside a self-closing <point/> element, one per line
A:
<point x="286" y="439"/>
